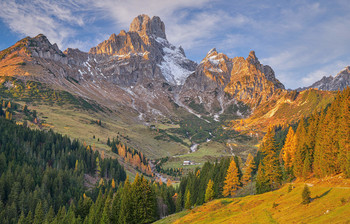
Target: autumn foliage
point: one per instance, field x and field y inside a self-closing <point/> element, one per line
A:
<point x="131" y="156"/>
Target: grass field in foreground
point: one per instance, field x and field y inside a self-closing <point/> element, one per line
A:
<point x="330" y="204"/>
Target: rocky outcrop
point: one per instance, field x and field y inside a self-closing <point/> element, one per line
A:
<point x="40" y="46"/>
<point x="330" y="83"/>
<point x="145" y="26"/>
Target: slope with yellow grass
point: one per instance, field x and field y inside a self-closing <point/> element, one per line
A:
<point x="330" y="203"/>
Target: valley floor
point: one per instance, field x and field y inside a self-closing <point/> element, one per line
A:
<point x="330" y="203"/>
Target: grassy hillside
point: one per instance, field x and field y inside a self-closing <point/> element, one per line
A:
<point x="286" y="108"/>
<point x="330" y="204"/>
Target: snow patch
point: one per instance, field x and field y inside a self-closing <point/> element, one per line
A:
<point x="171" y="66"/>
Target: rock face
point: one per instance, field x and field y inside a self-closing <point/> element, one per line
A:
<point x="330" y="83"/>
<point x="220" y="81"/>
<point x="146" y="43"/>
<point x="147" y="27"/>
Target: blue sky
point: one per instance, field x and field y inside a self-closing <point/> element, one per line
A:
<point x="301" y="40"/>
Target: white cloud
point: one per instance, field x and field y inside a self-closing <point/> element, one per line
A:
<point x="124" y="11"/>
<point x="330" y="69"/>
<point x="52" y="18"/>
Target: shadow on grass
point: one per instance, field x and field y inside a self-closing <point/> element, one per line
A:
<point x="322" y="195"/>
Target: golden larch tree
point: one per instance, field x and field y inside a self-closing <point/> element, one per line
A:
<point x="231" y="183"/>
<point x="289" y="149"/>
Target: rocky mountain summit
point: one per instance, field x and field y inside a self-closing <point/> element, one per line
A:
<point x="140" y="72"/>
<point x="330" y="83"/>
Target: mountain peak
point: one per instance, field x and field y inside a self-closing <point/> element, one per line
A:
<point x="144" y="25"/>
<point x="252" y="58"/>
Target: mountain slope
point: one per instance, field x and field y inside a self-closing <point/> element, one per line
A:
<point x="330" y="204"/>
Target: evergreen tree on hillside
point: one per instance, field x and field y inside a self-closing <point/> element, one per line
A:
<point x="248" y="169"/>
<point x="179" y="201"/>
<point x="188" y="203"/>
<point x="301" y="149"/>
<point x="306" y="195"/>
<point x="144" y="210"/>
<point x="126" y="204"/>
<point x="270" y="167"/>
<point x="262" y="183"/>
<point x="232" y="182"/>
<point x="39" y="214"/>
<point x="209" y="193"/>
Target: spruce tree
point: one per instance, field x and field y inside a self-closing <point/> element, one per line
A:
<point x="306" y="195"/>
<point x="262" y="183"/>
<point x="188" y="203"/>
<point x="39" y="214"/>
<point x="307" y="166"/>
<point x="126" y="204"/>
<point x="248" y="169"/>
<point x="301" y="149"/>
<point x="270" y="164"/>
<point x="179" y="202"/>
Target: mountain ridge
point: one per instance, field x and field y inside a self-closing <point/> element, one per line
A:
<point x="332" y="83"/>
<point x="142" y="71"/>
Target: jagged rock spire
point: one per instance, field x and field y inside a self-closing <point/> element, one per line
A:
<point x="144" y="25"/>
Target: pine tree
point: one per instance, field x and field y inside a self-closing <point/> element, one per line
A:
<point x="144" y="207"/>
<point x="21" y="219"/>
<point x="306" y="195"/>
<point x="249" y="167"/>
<point x="126" y="204"/>
<point x="262" y="184"/>
<point x="29" y="218"/>
<point x="209" y="193"/>
<point x="301" y="149"/>
<point x="307" y="166"/>
<point x="188" y="203"/>
<point x="105" y="219"/>
<point x="39" y="214"/>
<point x="116" y="206"/>
<point x="231" y="183"/>
<point x="98" y="167"/>
<point x="270" y="164"/>
<point x="179" y="202"/>
<point x="50" y="215"/>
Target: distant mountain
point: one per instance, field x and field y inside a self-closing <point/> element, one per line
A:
<point x="330" y="83"/>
